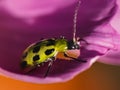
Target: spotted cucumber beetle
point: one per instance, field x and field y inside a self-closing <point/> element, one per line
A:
<point x="48" y="50"/>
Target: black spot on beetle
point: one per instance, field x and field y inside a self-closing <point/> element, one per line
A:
<point x="49" y="51"/>
<point x="36" y="49"/>
<point x="36" y="57"/>
<point x="50" y="42"/>
<point x="23" y="64"/>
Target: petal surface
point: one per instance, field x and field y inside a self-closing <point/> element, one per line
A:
<point x="16" y="35"/>
<point x="113" y="57"/>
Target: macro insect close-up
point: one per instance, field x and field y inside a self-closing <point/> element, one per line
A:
<point x="56" y="41"/>
<point x="48" y="50"/>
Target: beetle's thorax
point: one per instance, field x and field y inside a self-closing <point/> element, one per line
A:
<point x="61" y="44"/>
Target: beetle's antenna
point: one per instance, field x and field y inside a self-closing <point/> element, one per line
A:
<point x="75" y="20"/>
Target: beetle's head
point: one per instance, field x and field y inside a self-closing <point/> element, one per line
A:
<point x="73" y="45"/>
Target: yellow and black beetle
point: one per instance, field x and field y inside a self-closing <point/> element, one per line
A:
<point x="48" y="50"/>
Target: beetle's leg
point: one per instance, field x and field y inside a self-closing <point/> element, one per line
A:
<point x="48" y="69"/>
<point x="49" y="66"/>
<point x="79" y="60"/>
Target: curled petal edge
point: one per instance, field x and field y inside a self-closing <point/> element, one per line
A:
<point x="31" y="79"/>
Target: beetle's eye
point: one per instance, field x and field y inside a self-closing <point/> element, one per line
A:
<point x="23" y="64"/>
<point x="77" y="46"/>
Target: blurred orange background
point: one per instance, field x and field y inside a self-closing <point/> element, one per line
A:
<point x="98" y="77"/>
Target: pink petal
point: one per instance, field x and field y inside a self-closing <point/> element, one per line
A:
<point x="33" y="8"/>
<point x="113" y="57"/>
<point x="115" y="22"/>
<point x="16" y="35"/>
<point x="36" y="79"/>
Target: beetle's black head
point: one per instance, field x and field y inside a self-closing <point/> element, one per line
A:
<point x="73" y="45"/>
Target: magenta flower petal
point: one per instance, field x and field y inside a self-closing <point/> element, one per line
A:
<point x="113" y="57"/>
<point x="36" y="78"/>
<point x="16" y="35"/>
<point x="115" y="22"/>
<point x="33" y="8"/>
